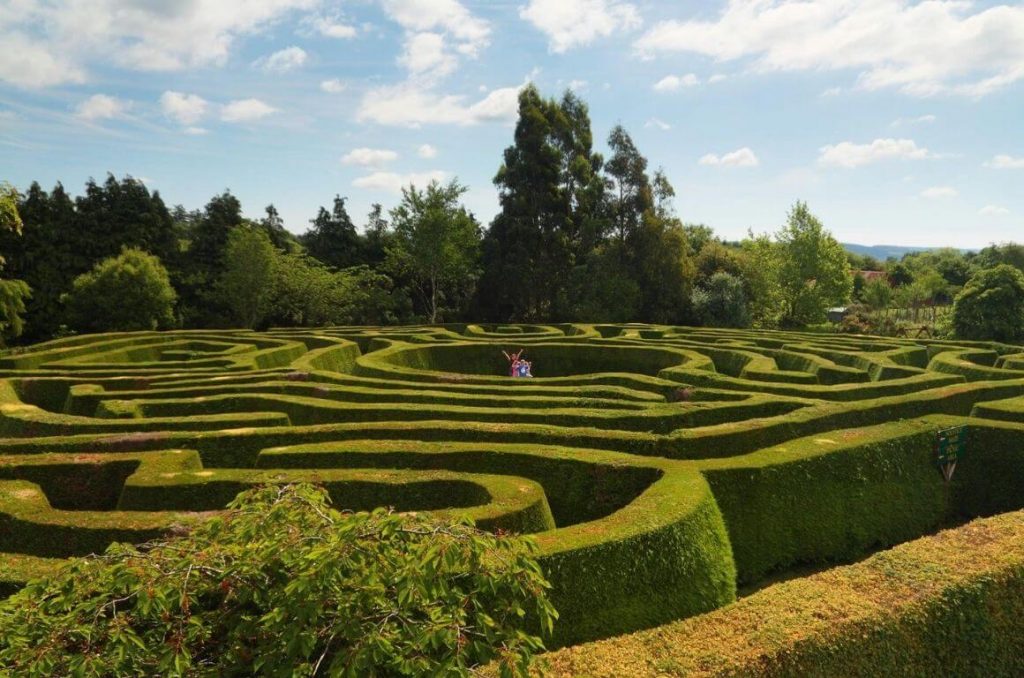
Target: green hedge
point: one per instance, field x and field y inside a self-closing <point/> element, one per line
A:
<point x="947" y="605"/>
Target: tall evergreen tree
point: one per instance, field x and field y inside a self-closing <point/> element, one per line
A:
<point x="204" y="262"/>
<point x="273" y="226"/>
<point x="527" y="252"/>
<point x="333" y="239"/>
<point x="630" y="194"/>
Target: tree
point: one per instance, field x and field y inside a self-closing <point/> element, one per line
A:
<point x="631" y="195"/>
<point x="899" y="274"/>
<point x="528" y="251"/>
<point x="129" y="292"/>
<point x="721" y="302"/>
<point x="282" y="584"/>
<point x="308" y="293"/>
<point x="877" y="294"/>
<point x="436" y="244"/>
<point x="991" y="305"/>
<point x="813" y="271"/>
<point x="273" y="224"/>
<point x="246" y="287"/>
<point x="13" y="293"/>
<point x="1005" y="253"/>
<point x="760" y="270"/>
<point x="333" y="238"/>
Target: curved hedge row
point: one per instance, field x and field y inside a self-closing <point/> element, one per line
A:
<point x="946" y="605"/>
<point x="658" y="467"/>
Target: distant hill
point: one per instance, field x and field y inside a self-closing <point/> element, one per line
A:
<point x="883" y="252"/>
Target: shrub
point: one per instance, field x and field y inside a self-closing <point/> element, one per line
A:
<point x="991" y="305"/>
<point x="722" y="302"/>
<point x="131" y="291"/>
<point x="283" y="585"/>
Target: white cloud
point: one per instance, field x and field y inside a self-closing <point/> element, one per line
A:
<point x="660" y="124"/>
<point x="425" y="54"/>
<point x="577" y="85"/>
<point x="921" y="48"/>
<point x="187" y="109"/>
<point x="741" y="157"/>
<point x="717" y="77"/>
<point x="368" y="157"/>
<point x="913" y="121"/>
<point x="393" y="182"/>
<point x="333" y="28"/>
<point x="469" y="32"/>
<point x="1005" y="162"/>
<point x="832" y="92"/>
<point x="574" y="23"/>
<point x="51" y="43"/>
<point x="671" y="83"/>
<point x="282" y="61"/>
<point x="993" y="211"/>
<point x="426" y="151"/>
<point x="849" y="154"/>
<point x="333" y="86"/>
<point x="101" y="107"/>
<point x="246" y="110"/>
<point x="27" y="63"/>
<point x="195" y="131"/>
<point x="939" y="192"/>
<point x="409" y="105"/>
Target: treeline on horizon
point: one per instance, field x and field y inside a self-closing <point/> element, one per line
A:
<point x="579" y="237"/>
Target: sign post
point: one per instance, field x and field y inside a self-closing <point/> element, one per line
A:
<point x="950" y="445"/>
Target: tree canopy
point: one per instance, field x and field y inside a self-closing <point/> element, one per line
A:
<point x="128" y="292"/>
<point x="282" y="584"/>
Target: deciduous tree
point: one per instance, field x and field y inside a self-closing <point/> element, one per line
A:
<point x="129" y="292"/>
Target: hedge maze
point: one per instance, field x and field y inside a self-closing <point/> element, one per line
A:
<point x="661" y="469"/>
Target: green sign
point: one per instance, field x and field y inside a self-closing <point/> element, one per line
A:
<point x="950" y="445"/>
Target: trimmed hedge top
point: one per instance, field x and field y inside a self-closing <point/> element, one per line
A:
<point x="660" y="468"/>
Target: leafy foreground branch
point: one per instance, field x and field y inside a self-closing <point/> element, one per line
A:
<point x="281" y="584"/>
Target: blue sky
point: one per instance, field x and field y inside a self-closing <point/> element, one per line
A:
<point x="898" y="122"/>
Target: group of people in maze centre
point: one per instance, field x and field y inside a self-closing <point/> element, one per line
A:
<point x="517" y="365"/>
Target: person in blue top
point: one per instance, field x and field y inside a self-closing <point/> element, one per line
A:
<point x="518" y="367"/>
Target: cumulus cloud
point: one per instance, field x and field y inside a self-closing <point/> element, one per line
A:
<point x="187" y="109"/>
<point x="393" y="182"/>
<point x="658" y="123"/>
<point x="671" y="83"/>
<point x="716" y="78"/>
<point x="470" y="33"/>
<point x="282" y="61"/>
<point x="195" y="131"/>
<point x="409" y="105"/>
<point x="741" y="157"/>
<point x="574" y="23"/>
<point x="425" y="53"/>
<point x="53" y="43"/>
<point x="30" y="64"/>
<point x="922" y="48"/>
<point x="246" y="110"/>
<point x="368" y="157"/>
<point x="993" y="211"/>
<point x="333" y="86"/>
<point x="849" y="154"/>
<point x="939" y="192"/>
<point x="1005" y="162"/>
<point x="101" y="107"/>
<point x="426" y="151"/>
